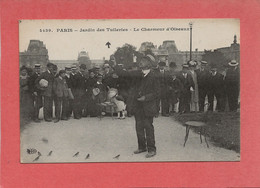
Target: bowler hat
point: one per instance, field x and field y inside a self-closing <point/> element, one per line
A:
<point x="83" y="66"/>
<point x="162" y="63"/>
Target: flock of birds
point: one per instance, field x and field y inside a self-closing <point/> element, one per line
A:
<point x="33" y="151"/>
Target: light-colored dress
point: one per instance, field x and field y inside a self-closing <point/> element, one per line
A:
<point x="194" y="104"/>
<point x="120" y="105"/>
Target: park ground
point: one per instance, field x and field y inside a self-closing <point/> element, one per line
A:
<point x="105" y="138"/>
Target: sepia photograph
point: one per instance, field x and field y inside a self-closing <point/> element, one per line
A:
<point x="129" y="90"/>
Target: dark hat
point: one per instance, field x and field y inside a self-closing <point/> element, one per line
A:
<point x="91" y="70"/>
<point x="213" y="68"/>
<point x="151" y="60"/>
<point x="83" y="66"/>
<point x="37" y="66"/>
<point x="50" y="65"/>
<point x="162" y="63"/>
<point x="67" y="68"/>
<point x="61" y="72"/>
<point x="23" y="68"/>
<point x="172" y="64"/>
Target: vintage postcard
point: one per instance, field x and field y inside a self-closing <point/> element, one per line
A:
<point x="146" y="90"/>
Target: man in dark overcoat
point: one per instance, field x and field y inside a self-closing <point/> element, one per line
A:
<point x="60" y="89"/>
<point x="216" y="83"/>
<point x="47" y="91"/>
<point x="188" y="86"/>
<point x="203" y="75"/>
<point x="232" y="84"/>
<point x="146" y="92"/>
<point x="164" y="77"/>
<point x="78" y="87"/>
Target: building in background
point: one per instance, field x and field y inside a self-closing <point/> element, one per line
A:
<point x="83" y="58"/>
<point x="36" y="53"/>
<point x="232" y="52"/>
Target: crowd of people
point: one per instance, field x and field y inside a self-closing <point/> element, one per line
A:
<point x="143" y="90"/>
<point x="78" y="92"/>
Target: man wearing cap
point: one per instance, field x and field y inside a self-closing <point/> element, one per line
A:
<point x="68" y="80"/>
<point x="203" y="83"/>
<point x="37" y="97"/>
<point x="60" y="89"/>
<point x="216" y="83"/>
<point x="144" y="106"/>
<point x="47" y="91"/>
<point x="78" y="87"/>
<point x="188" y="87"/>
<point x="232" y="84"/>
<point x="164" y="77"/>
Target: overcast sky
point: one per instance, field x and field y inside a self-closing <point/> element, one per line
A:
<point x="207" y="34"/>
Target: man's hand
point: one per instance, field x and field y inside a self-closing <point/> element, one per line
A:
<point x="141" y="98"/>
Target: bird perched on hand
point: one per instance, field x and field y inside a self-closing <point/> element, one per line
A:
<point x="50" y="153"/>
<point x="36" y="159"/>
<point x="117" y="157"/>
<point x="87" y="156"/>
<point x="76" y="154"/>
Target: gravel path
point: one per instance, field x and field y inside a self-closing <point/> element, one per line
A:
<point x="106" y="138"/>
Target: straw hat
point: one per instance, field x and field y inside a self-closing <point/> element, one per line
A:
<point x="233" y="63"/>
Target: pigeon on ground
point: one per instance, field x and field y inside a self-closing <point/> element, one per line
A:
<point x="116" y="157"/>
<point x="39" y="153"/>
<point x="76" y="154"/>
<point x="36" y="159"/>
<point x="45" y="140"/>
<point x="31" y="151"/>
<point x="87" y="156"/>
<point x="50" y="153"/>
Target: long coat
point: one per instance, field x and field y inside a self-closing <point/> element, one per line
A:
<point x="78" y="85"/>
<point x="48" y="91"/>
<point x="149" y="87"/>
<point x="164" y="82"/>
<point x="60" y="87"/>
<point x="195" y="92"/>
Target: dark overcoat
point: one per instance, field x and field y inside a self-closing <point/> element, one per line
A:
<point x="149" y="87"/>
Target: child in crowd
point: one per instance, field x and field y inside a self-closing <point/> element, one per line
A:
<point x="174" y="89"/>
<point x="118" y="101"/>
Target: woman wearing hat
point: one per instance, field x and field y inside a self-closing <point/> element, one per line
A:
<point x="232" y="83"/>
